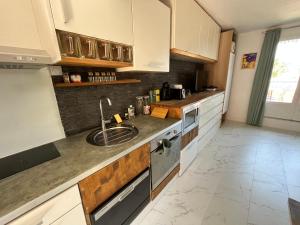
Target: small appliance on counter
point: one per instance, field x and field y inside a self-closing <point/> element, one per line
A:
<point x="165" y="92"/>
<point x="177" y="91"/>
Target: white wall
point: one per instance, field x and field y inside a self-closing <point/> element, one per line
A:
<point x="249" y="42"/>
<point x="29" y="114"/>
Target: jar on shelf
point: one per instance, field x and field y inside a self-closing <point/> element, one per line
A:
<point x="68" y="43"/>
<point x="104" y="50"/>
<point x="139" y="105"/>
<point x="88" y="47"/>
<point x="117" y="52"/>
<point x="127" y="54"/>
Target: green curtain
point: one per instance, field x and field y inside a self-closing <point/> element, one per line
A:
<point x="262" y="78"/>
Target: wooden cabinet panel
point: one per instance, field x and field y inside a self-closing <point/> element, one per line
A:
<point x="189" y="137"/>
<point x="101" y="185"/>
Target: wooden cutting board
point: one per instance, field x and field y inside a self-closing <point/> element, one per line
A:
<point x="160" y="112"/>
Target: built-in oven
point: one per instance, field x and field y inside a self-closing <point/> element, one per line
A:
<point x="165" y="155"/>
<point x="125" y="205"/>
<point x="190" y="117"/>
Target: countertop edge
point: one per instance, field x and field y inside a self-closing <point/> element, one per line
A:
<point x="59" y="189"/>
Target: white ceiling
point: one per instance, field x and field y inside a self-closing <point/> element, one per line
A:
<point x="247" y="15"/>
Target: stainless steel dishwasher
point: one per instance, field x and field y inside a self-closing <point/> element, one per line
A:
<point x="165" y="154"/>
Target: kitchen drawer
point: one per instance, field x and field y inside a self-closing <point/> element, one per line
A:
<point x="205" y="118"/>
<point x="206" y="138"/>
<point x="51" y="210"/>
<point x="101" y="185"/>
<point x="74" y="217"/>
<point x="187" y="156"/>
<point x="210" y="103"/>
<point x="206" y="128"/>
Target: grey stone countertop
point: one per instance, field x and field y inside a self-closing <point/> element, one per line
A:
<point x="28" y="189"/>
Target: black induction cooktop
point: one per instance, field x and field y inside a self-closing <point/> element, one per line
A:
<point x="16" y="163"/>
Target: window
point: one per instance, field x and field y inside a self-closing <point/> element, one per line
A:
<point x="286" y="72"/>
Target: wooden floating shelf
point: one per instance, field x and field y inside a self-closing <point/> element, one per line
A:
<point x="85" y="84"/>
<point x="72" y="61"/>
<point x="184" y="55"/>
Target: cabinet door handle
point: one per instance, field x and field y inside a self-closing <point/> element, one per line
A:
<point x="66" y="13"/>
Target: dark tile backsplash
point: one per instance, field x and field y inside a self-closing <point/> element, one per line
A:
<point x="79" y="106"/>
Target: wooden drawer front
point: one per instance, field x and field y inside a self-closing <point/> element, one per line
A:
<point x="206" y="128"/>
<point x="210" y="103"/>
<point x="205" y="118"/>
<point x="51" y="210"/>
<point x="101" y="185"/>
<point x="188" y="137"/>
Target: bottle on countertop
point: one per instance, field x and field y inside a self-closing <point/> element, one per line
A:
<point x="146" y="105"/>
<point x="130" y="112"/>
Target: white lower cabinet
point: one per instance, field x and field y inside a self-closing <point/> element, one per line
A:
<point x="187" y="156"/>
<point x="74" y="217"/>
<point x="209" y="123"/>
<point x="55" y="210"/>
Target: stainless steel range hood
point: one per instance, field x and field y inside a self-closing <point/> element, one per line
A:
<point x="22" y="58"/>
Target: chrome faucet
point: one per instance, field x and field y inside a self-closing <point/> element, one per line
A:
<point x="103" y="121"/>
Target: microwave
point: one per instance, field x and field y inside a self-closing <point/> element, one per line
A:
<point x="190" y="118"/>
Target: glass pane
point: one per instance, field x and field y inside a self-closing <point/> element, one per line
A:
<point x="286" y="72"/>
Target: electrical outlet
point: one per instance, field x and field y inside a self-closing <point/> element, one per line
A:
<point x="55" y="70"/>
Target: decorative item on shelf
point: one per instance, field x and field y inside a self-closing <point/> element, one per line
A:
<point x="66" y="78"/>
<point x="139" y="105"/>
<point x="146" y="105"/>
<point x="75" y="78"/>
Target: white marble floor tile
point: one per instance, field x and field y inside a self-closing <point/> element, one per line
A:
<point x="244" y="176"/>
<point x="270" y="195"/>
<point x="225" y="212"/>
<point x="262" y="215"/>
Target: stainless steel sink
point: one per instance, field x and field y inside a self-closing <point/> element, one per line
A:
<point x="112" y="136"/>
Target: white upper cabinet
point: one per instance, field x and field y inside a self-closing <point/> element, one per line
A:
<point x="105" y="19"/>
<point x="193" y="30"/>
<point x="151" y="34"/>
<point x="26" y="35"/>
